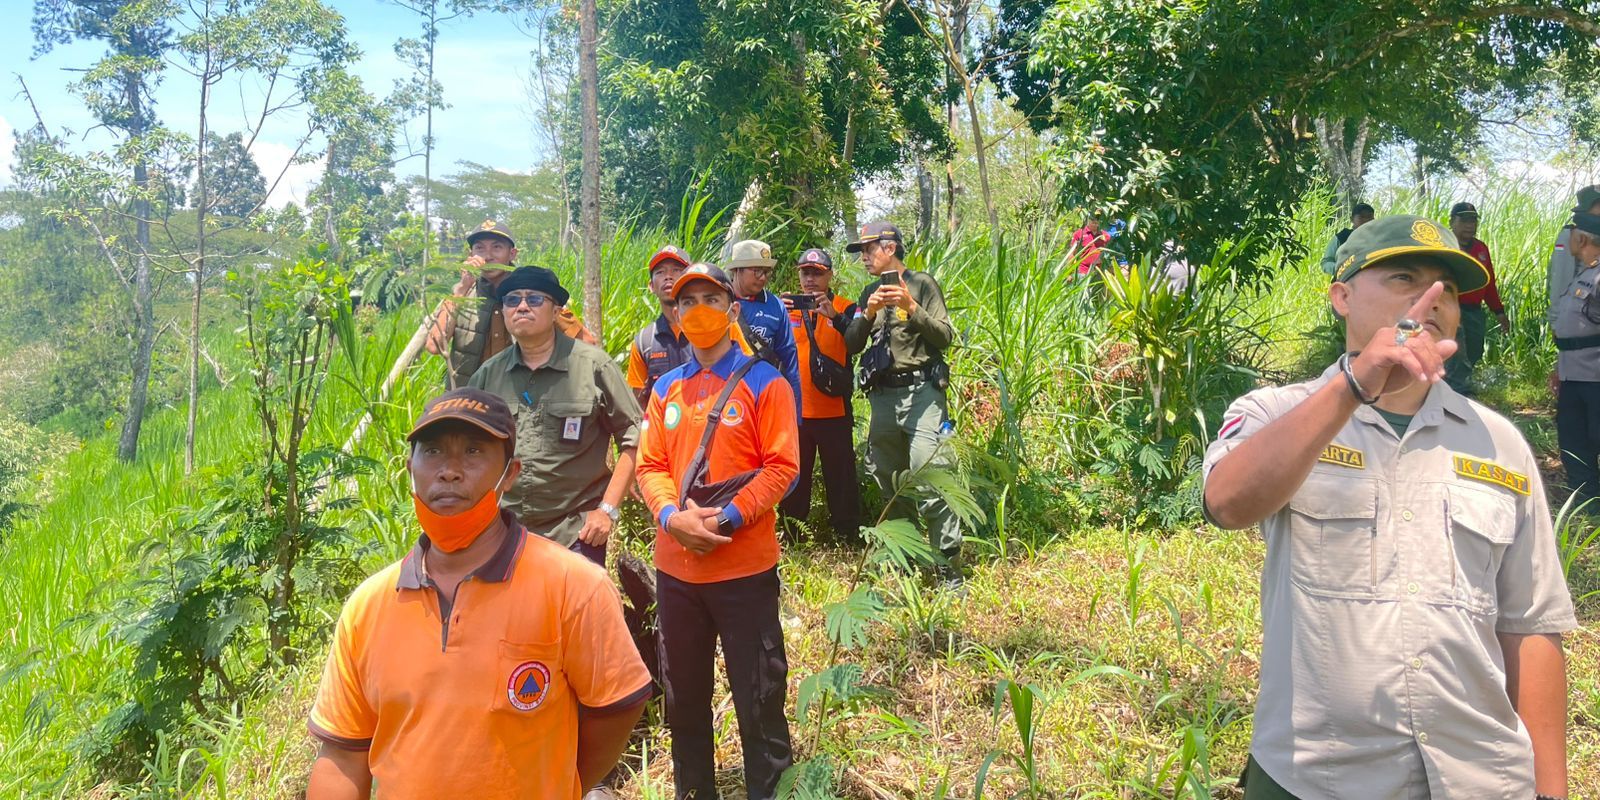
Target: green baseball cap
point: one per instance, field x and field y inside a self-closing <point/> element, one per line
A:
<point x="490" y="227"/>
<point x="1388" y="238"/>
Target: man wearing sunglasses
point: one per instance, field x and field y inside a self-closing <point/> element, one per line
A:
<point x="571" y="405"/>
<point x="469" y="328"/>
<point x="764" y="317"/>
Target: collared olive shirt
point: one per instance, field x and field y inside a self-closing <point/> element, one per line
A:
<point x="917" y="339"/>
<point x="569" y="413"/>
<point x="1387" y="577"/>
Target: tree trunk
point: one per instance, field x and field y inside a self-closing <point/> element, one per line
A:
<point x="850" y="174"/>
<point x="752" y="194"/>
<point x="330" y="230"/>
<point x="427" y="158"/>
<point x="1342" y="144"/>
<point x="143" y="290"/>
<point x="199" y="268"/>
<point x="589" y="200"/>
<point x="925" y="201"/>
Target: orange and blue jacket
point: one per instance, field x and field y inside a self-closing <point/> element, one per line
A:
<point x="758" y="432"/>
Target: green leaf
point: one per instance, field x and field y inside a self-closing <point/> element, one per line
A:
<point x="849" y="619"/>
<point x="898" y="542"/>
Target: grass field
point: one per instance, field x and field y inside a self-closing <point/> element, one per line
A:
<point x="1137" y="634"/>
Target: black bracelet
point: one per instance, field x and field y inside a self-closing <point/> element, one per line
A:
<point x="1350" y="378"/>
<point x="1547" y="797"/>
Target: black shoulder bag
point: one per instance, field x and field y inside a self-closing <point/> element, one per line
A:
<point x="708" y="495"/>
<point x="829" y="376"/>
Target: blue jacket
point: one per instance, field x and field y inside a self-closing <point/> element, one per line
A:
<point x="767" y="319"/>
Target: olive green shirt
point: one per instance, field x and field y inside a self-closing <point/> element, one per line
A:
<point x="914" y="341"/>
<point x="569" y="412"/>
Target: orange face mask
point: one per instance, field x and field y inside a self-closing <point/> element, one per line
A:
<point x="453" y="532"/>
<point x="704" y="326"/>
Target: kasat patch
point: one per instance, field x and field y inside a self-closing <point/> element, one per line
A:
<point x="1491" y="473"/>
<point x="1343" y="457"/>
<point x="529" y="685"/>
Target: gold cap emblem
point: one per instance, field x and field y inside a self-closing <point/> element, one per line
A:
<point x="1425" y="232"/>
<point x="487" y="225"/>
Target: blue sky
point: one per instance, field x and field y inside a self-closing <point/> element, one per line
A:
<point x="481" y="61"/>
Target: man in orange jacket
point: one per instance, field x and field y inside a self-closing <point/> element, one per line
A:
<point x="719" y="451"/>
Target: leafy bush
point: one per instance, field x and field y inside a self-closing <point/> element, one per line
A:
<point x="26" y="456"/>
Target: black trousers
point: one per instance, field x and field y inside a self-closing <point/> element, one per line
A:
<point x="832" y="439"/>
<point x="744" y="613"/>
<point x="1578" y="432"/>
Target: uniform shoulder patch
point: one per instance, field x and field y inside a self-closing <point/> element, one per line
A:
<point x="1489" y="472"/>
<point x="1343" y="457"/>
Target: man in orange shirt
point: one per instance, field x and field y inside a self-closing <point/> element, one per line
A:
<point x="660" y="347"/>
<point x="489" y="663"/>
<point x="826" y="422"/>
<point x="716" y="548"/>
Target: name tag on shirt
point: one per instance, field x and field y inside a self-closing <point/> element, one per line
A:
<point x="1343" y="457"/>
<point x="571" y="430"/>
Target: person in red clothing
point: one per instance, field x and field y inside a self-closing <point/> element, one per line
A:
<point x="826" y="424"/>
<point x="1089" y="240"/>
<point x="717" y="561"/>
<point x="1474" y="322"/>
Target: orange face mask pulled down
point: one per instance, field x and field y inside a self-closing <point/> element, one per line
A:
<point x="453" y="532"/>
<point x="704" y="326"/>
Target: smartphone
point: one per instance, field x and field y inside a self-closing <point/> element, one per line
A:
<point x="893" y="279"/>
<point x="802" y="302"/>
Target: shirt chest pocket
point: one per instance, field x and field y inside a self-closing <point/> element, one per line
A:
<point x="570" y="422"/>
<point x="1482" y="526"/>
<point x="528" y="683"/>
<point x="1333" y="536"/>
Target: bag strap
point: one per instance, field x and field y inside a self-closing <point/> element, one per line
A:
<point x="697" y="464"/>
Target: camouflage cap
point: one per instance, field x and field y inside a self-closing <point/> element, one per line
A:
<point x="1388" y="238"/>
<point x="491" y="228"/>
<point x="750" y="253"/>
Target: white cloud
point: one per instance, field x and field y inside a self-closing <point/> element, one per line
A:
<point x="8" y="147"/>
<point x="297" y="181"/>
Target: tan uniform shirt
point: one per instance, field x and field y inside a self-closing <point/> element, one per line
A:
<point x="569" y="413"/>
<point x="1388" y="575"/>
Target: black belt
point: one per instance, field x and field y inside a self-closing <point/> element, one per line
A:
<point x="1577" y="342"/>
<point x="900" y="380"/>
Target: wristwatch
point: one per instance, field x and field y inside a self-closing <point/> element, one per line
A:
<point x="724" y="525"/>
<point x="611" y="511"/>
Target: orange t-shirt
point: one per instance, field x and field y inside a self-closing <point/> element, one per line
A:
<point x="487" y="705"/>
<point x="815" y="404"/>
<point x="758" y="431"/>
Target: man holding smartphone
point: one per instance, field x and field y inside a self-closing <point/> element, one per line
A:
<point x="469" y="329"/>
<point x="819" y="318"/>
<point x="905" y="377"/>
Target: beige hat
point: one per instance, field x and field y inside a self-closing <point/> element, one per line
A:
<point x="750" y="253"/>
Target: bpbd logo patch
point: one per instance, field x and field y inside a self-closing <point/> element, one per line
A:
<point x="529" y="685"/>
<point x="733" y="414"/>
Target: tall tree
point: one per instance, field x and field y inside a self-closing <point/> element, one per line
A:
<point x="589" y="194"/>
<point x="234" y="182"/>
<point x="293" y="40"/>
<point x="119" y="90"/>
<point x="1199" y="118"/>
